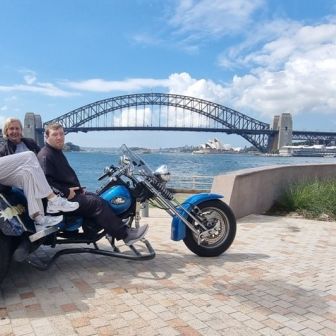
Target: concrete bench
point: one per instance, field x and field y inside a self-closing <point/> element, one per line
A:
<point x="253" y="191"/>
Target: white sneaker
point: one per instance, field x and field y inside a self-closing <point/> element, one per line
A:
<point x="61" y="204"/>
<point x="47" y="221"/>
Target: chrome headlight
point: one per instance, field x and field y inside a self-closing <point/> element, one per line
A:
<point x="124" y="160"/>
<point x="162" y="173"/>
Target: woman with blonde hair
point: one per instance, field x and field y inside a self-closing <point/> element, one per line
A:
<point x="15" y="142"/>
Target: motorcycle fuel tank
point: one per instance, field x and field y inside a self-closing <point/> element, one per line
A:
<point x="119" y="198"/>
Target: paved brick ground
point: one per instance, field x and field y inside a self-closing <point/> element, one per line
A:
<point x="278" y="278"/>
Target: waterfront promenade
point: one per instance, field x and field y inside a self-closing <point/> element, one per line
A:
<point x="278" y="278"/>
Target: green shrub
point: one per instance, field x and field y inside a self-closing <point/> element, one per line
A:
<point x="311" y="199"/>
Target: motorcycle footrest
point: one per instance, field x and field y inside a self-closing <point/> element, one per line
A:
<point x="44" y="265"/>
<point x="43" y="233"/>
<point x="38" y="264"/>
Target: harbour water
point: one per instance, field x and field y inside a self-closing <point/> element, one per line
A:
<point x="89" y="165"/>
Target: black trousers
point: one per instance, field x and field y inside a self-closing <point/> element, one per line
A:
<point x="99" y="211"/>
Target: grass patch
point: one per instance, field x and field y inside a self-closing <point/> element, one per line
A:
<point x="316" y="199"/>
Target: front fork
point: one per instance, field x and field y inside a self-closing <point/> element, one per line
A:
<point x="174" y="211"/>
<point x="184" y="213"/>
<point x="179" y="223"/>
<point x="174" y="208"/>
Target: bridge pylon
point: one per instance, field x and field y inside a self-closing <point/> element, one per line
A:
<point x="284" y="125"/>
<point x="32" y="123"/>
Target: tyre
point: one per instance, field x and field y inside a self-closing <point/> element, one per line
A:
<point x="220" y="217"/>
<point x="5" y="255"/>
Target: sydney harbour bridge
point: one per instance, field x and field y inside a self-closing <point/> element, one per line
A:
<point x="173" y="112"/>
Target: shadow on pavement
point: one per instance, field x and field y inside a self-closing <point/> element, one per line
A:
<point x="83" y="275"/>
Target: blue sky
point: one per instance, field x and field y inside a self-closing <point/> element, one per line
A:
<point x="260" y="57"/>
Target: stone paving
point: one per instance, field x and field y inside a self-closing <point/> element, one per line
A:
<point x="278" y="278"/>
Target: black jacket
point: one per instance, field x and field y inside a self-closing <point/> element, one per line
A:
<point x="57" y="170"/>
<point x="8" y="147"/>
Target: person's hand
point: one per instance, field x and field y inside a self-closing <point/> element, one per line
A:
<point x="72" y="192"/>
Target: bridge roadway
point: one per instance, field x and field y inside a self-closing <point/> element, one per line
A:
<point x="297" y="135"/>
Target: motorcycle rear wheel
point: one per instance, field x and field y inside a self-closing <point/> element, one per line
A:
<point x="221" y="216"/>
<point x="5" y="255"/>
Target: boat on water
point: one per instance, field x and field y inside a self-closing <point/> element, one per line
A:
<point x="308" y="151"/>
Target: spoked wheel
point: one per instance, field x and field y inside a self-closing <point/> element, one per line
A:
<point x="221" y="219"/>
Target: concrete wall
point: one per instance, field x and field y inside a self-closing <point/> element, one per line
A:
<point x="253" y="191"/>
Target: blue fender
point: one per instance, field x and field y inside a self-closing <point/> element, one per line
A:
<point x="178" y="228"/>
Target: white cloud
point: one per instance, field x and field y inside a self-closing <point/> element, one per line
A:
<point x="47" y="89"/>
<point x="304" y="40"/>
<point x="294" y="73"/>
<point x="29" y="76"/>
<point x="132" y="117"/>
<point x="101" y="85"/>
<point x="145" y="38"/>
<point x="239" y="55"/>
<point x="31" y="85"/>
<point x="184" y="84"/>
<point x="178" y="83"/>
<point x="191" y="23"/>
<point x="291" y="68"/>
<point x="214" y="18"/>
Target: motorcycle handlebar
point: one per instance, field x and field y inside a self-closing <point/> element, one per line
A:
<point x="102" y="177"/>
<point x="108" y="172"/>
<point x="112" y="170"/>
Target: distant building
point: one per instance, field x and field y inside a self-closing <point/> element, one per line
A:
<point x="214" y="146"/>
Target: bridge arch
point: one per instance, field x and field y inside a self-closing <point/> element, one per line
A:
<point x="215" y="117"/>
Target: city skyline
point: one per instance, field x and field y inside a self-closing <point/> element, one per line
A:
<point x="261" y="57"/>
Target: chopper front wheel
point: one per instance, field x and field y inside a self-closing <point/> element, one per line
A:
<point x="221" y="219"/>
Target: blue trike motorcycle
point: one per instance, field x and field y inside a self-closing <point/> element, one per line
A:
<point x="206" y="225"/>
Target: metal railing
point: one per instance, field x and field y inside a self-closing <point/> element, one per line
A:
<point x="190" y="184"/>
